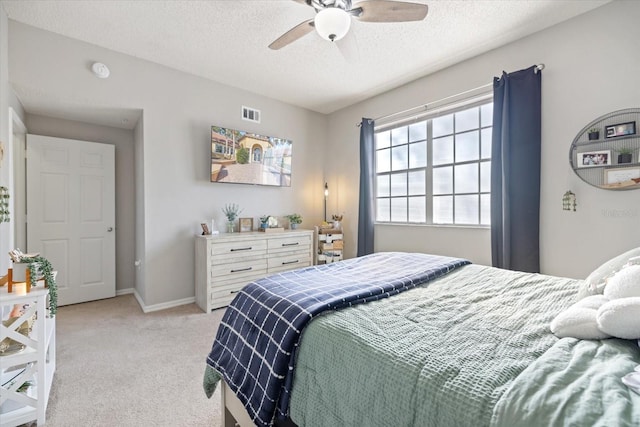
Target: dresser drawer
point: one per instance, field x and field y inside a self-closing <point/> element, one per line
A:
<point x="230" y="289"/>
<point x="236" y="279"/>
<point x="229" y="270"/>
<point x="291" y="243"/>
<point x="227" y="251"/>
<point x="289" y="261"/>
<point x="221" y="301"/>
<point x="225" y="290"/>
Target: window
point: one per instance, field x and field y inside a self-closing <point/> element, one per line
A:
<point x="436" y="171"/>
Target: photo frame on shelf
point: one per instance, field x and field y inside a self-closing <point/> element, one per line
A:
<point x="620" y="129"/>
<point x="245" y="224"/>
<point x="205" y="229"/>
<point x="593" y="158"/>
<point x="618" y="175"/>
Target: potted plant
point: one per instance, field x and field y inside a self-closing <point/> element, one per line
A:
<point x="624" y="155"/>
<point x="294" y="220"/>
<point x="231" y="212"/>
<point x="594" y="134"/>
<point x="264" y="221"/>
<point x="39" y="268"/>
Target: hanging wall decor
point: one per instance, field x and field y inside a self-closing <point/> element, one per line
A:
<point x="609" y="159"/>
<point x="4" y="204"/>
<point x="569" y="201"/>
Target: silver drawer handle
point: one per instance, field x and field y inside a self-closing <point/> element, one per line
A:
<point x="234" y="292"/>
<point x="291" y="244"/>
<point x="242" y="269"/>
<point x="291" y="262"/>
<point x="242" y="249"/>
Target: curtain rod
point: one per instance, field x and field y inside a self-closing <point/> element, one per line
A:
<point x="539" y="67"/>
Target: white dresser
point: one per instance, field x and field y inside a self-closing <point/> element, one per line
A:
<point x="227" y="262"/>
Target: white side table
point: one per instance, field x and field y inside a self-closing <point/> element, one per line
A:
<point x="36" y="363"/>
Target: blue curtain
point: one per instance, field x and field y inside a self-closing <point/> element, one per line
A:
<point x="367" y="198"/>
<point x="515" y="171"/>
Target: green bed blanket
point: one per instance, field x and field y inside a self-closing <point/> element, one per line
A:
<point x="470" y="349"/>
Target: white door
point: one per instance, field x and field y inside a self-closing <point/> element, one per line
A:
<point x="71" y="214"/>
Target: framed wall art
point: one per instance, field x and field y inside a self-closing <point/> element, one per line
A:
<point x="621" y="129"/>
<point x="593" y="158"/>
<point x="617" y="175"/>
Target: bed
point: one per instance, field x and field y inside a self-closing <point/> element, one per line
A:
<point x="418" y="341"/>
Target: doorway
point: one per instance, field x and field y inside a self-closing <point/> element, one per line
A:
<point x="70" y="187"/>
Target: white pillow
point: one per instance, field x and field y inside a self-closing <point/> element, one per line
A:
<point x="620" y="318"/>
<point x="592" y="301"/>
<point x="578" y="322"/>
<point x="595" y="283"/>
<point x="625" y="283"/>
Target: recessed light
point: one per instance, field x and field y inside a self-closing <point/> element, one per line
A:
<point x="100" y="70"/>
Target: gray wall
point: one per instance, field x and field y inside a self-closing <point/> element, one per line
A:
<point x="15" y="103"/>
<point x="6" y="233"/>
<point x="580" y="83"/>
<point x="178" y="111"/>
<point x="138" y="137"/>
<point x="125" y="177"/>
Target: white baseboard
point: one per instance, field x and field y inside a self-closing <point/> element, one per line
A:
<point x="165" y="305"/>
<point x="155" y="307"/>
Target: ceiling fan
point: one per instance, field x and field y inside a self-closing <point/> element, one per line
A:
<point x="333" y="17"/>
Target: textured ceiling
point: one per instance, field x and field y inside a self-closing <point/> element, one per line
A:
<point x="193" y="36"/>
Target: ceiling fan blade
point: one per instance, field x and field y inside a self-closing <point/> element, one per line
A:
<point x="348" y="46"/>
<point x="292" y="35"/>
<point x="390" y="11"/>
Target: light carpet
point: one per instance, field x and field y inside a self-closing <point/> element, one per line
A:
<point x="117" y="366"/>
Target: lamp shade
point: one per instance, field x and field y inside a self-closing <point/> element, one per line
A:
<point x="332" y="23"/>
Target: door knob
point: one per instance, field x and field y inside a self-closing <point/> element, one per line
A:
<point x="110" y="229"/>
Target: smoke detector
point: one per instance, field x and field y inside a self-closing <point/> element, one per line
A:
<point x="100" y="70"/>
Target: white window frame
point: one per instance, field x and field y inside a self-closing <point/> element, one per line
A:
<point x="429" y="168"/>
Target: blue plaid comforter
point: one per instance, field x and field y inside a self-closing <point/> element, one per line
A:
<point x="254" y="349"/>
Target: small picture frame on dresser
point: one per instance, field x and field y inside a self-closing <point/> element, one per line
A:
<point x="246" y="224"/>
<point x="205" y="229"/>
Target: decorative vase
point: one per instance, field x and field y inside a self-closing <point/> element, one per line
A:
<point x="294" y="226"/>
<point x="20" y="271"/>
<point x="337" y="225"/>
<point x="229" y="226"/>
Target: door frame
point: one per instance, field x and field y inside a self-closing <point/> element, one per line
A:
<point x="18" y="184"/>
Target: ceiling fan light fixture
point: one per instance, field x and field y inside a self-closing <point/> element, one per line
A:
<point x="332" y="23"/>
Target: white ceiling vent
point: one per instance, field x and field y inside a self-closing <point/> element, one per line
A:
<point x="250" y="114"/>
